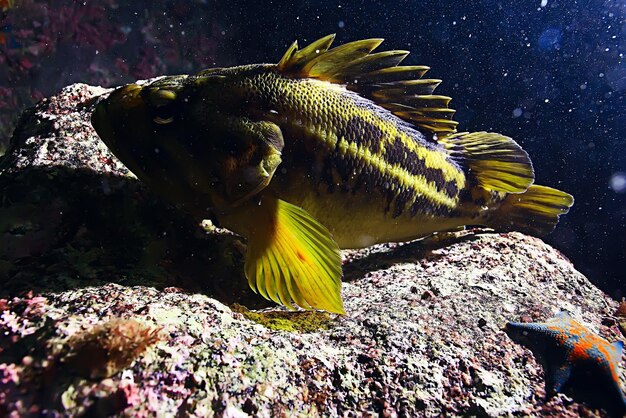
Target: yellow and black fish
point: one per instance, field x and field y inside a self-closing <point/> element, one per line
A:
<point x="328" y="149"/>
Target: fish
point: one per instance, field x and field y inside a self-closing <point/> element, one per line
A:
<point x="329" y="148"/>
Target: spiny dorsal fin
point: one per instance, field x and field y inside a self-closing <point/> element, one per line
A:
<point x="294" y="59"/>
<point x="376" y="76"/>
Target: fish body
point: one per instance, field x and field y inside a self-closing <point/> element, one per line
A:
<point x="328" y="148"/>
<point x="351" y="163"/>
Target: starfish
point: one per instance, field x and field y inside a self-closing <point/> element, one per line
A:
<point x="575" y="360"/>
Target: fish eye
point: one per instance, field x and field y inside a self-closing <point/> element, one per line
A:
<point x="164" y="115"/>
<point x="163" y="102"/>
<point x="163" y="121"/>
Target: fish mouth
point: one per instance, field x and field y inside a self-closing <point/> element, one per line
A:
<point x="113" y="115"/>
<point x="229" y="206"/>
<point x="100" y="121"/>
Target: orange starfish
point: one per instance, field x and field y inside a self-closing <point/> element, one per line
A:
<point x="574" y="359"/>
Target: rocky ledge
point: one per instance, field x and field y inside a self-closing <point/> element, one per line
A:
<point x="114" y="303"/>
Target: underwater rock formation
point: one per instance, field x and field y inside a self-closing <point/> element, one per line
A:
<point x="113" y="302"/>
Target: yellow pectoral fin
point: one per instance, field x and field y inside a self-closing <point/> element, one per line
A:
<point x="292" y="257"/>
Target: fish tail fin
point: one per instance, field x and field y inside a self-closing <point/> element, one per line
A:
<point x="536" y="211"/>
<point x="503" y="178"/>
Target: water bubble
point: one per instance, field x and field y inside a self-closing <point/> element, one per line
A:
<point x="617" y="182"/>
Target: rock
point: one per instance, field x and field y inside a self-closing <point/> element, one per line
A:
<point x="85" y="249"/>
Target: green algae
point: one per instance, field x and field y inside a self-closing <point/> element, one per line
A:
<point x="290" y="321"/>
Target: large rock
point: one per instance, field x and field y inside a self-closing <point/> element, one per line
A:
<point x="116" y="303"/>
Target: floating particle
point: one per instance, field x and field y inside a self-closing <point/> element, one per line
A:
<point x="517" y="112"/>
<point x="617" y="182"/>
<point x="550" y="39"/>
<point x="616" y="77"/>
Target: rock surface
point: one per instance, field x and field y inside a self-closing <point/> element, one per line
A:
<point x="114" y="302"/>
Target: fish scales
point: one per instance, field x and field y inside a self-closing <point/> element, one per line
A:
<point x="363" y="143"/>
<point x="328" y="149"/>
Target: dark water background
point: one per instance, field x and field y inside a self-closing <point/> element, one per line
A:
<point x="550" y="74"/>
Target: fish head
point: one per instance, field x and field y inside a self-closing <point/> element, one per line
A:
<point x="190" y="140"/>
<point x="138" y="123"/>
